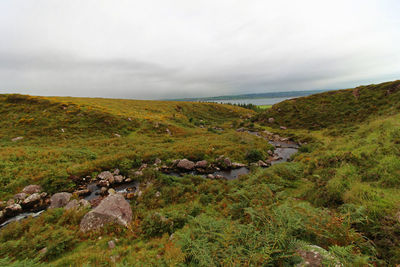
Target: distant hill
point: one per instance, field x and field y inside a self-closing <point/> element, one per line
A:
<point x="44" y="140"/>
<point x="341" y="107"/>
<point x="46" y="116"/>
<point x="253" y="96"/>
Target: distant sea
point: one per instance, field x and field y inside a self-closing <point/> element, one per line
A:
<point x="255" y="101"/>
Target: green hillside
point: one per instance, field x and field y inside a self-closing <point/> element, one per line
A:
<point x="335" y="108"/>
<point x="63" y="137"/>
<point x="337" y="200"/>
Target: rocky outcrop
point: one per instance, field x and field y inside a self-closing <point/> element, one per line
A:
<point x="112" y="209"/>
<point x="315" y="256"/>
<point x="201" y="164"/>
<point x="32" y="200"/>
<point x="237" y="165"/>
<point x="20" y="197"/>
<point x="83" y="192"/>
<point x="119" y="178"/>
<point x="75" y="204"/>
<point x="14" y="208"/>
<point x="105" y="175"/>
<point x="10" y="210"/>
<point x="103" y="183"/>
<point x="59" y="200"/>
<point x="186" y="164"/>
<point x="84" y="203"/>
<point x="224" y="162"/>
<point x="111" y="244"/>
<point x="30" y="189"/>
<point x="227" y="163"/>
<point x="262" y="164"/>
<point x="143" y="166"/>
<point x="10" y="202"/>
<point x="157" y="161"/>
<point x="310" y="258"/>
<point x="111" y="191"/>
<point x="29" y="199"/>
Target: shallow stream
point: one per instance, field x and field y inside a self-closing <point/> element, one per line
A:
<point x="284" y="150"/>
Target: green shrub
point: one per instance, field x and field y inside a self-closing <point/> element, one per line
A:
<point x="288" y="170"/>
<point x="206" y="199"/>
<point x="389" y="171"/>
<point x="58" y="243"/>
<point x="128" y="163"/>
<point x="254" y="155"/>
<point x="156" y="224"/>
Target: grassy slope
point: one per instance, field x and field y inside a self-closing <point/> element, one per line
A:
<point x="359" y="171"/>
<point x="352" y="164"/>
<point x="340" y="193"/>
<point x="264" y="106"/>
<point x="336" y="108"/>
<point x="75" y="136"/>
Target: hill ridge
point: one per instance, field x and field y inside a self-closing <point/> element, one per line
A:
<point x="341" y="107"/>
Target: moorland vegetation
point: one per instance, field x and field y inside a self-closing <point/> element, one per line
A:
<point x="337" y="198"/>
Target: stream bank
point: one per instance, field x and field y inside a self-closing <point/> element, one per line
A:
<point x="112" y="182"/>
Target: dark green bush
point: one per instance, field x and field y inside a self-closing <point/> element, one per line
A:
<point x="254" y="155"/>
<point x="156" y="224"/>
<point x="126" y="164"/>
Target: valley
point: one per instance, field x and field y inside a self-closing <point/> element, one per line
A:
<point x="171" y="183"/>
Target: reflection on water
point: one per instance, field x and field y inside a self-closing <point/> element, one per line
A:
<point x="233" y="173"/>
<point x="284" y="154"/>
<point x="256" y="101"/>
<point x="128" y="187"/>
<point x="95" y="190"/>
<point x="284" y="150"/>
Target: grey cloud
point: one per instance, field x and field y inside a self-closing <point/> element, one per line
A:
<point x="46" y="61"/>
<point x="176" y="48"/>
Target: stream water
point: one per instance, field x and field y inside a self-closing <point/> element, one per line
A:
<point x="95" y="190"/>
<point x="21" y="216"/>
<point x="232" y="173"/>
<point x="284" y="150"/>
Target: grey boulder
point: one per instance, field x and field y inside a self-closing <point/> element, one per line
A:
<point x="112" y="209"/>
<point x="20" y="196"/>
<point x="105" y="175"/>
<point x="119" y="178"/>
<point x="186" y="164"/>
<point x="30" y="189"/>
<point x="202" y="164"/>
<point x="31" y="200"/>
<point x="59" y="200"/>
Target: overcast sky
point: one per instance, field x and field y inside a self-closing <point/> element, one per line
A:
<point x="186" y="48"/>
